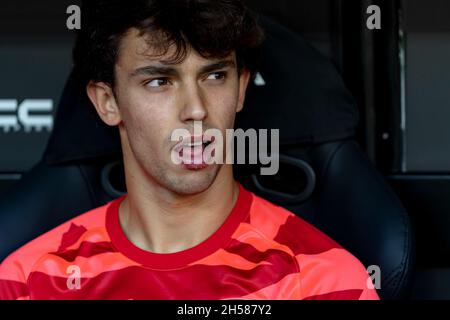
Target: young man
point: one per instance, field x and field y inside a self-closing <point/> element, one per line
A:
<point x="184" y="230"/>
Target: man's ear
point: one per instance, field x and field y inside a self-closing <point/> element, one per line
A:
<point x="104" y="101"/>
<point x="244" y="79"/>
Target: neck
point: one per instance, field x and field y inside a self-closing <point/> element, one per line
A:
<point x="160" y="221"/>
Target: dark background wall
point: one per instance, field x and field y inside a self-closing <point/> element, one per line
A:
<point x="427" y="110"/>
<point x="35" y="60"/>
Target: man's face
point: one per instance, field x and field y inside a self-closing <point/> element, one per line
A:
<point x="154" y="98"/>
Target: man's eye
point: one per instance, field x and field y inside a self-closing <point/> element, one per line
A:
<point x="157" y="83"/>
<point x="216" y="76"/>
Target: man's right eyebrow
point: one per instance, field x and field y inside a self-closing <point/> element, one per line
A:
<point x="154" y="70"/>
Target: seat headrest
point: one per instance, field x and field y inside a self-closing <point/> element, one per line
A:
<point x="296" y="90"/>
<point x="79" y="133"/>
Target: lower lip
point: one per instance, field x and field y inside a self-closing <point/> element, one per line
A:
<point x="195" y="167"/>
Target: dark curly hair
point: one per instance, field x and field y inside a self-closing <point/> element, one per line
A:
<point x="213" y="28"/>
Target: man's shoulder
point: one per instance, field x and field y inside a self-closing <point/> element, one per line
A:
<point x="287" y="228"/>
<point x="319" y="257"/>
<point x="341" y="274"/>
<point x="57" y="240"/>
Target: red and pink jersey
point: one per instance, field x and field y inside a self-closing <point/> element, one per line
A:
<point x="261" y="251"/>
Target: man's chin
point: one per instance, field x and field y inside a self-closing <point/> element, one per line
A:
<point x="194" y="180"/>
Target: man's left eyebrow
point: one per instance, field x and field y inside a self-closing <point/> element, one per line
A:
<point x="218" y="65"/>
<point x="154" y="70"/>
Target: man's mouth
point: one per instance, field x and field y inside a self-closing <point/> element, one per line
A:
<point x="194" y="146"/>
<point x="191" y="151"/>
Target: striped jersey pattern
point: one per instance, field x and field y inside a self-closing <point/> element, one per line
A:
<point x="261" y="251"/>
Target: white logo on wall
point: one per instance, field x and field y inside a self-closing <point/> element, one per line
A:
<point x="29" y="115"/>
<point x="259" y="80"/>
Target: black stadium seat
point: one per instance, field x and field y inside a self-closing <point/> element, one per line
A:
<point x="324" y="177"/>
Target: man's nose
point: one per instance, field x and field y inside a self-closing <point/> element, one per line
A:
<point x="194" y="104"/>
